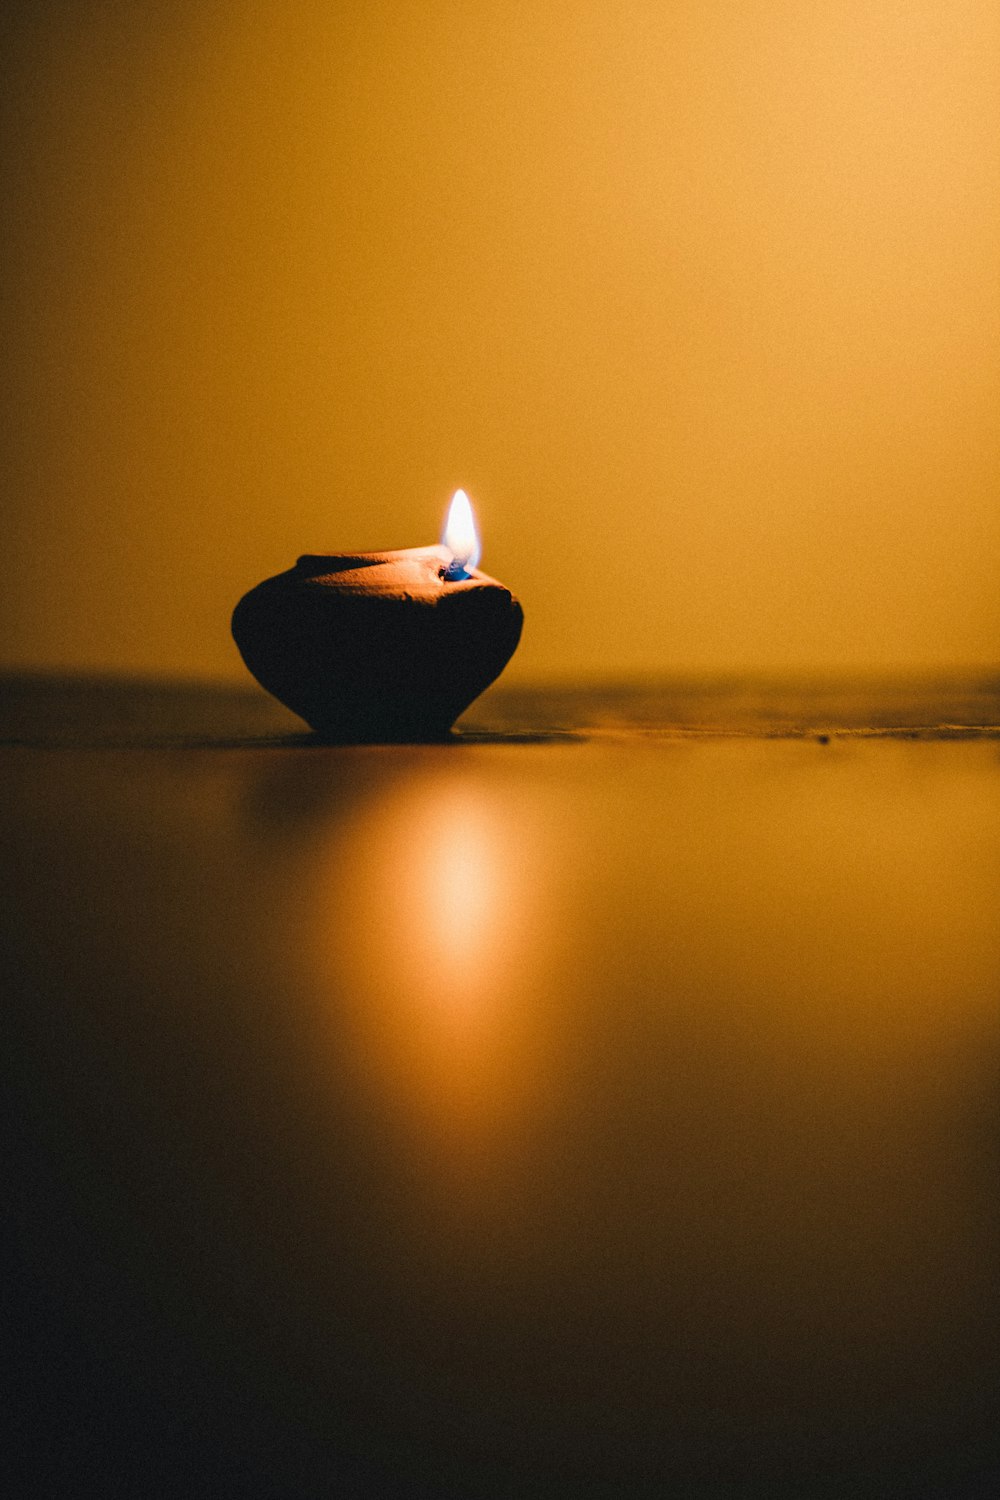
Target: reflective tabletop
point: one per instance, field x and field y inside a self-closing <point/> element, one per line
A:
<point x="603" y="1102"/>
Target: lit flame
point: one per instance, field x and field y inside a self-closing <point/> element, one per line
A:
<point x="460" y="535"/>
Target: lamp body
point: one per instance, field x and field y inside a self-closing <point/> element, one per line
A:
<point x="378" y="645"/>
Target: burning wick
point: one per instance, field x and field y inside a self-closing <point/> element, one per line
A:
<point x="460" y="537"/>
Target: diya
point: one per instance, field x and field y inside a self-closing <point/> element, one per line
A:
<point x="374" y="646"/>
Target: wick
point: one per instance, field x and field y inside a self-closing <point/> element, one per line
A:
<point x="454" y="572"/>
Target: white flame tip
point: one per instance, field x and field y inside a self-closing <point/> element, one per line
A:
<point x="460" y="534"/>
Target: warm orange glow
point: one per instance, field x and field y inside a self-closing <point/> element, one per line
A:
<point x="460" y="896"/>
<point x="435" y="937"/>
<point x="719" y="277"/>
<point x="460" y="534"/>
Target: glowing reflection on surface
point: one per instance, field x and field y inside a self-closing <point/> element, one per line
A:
<point x="434" y="934"/>
<point x="676" y="1060"/>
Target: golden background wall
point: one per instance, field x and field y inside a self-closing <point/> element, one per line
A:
<point x="698" y="299"/>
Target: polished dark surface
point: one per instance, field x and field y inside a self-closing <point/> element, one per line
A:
<point x="603" y="1103"/>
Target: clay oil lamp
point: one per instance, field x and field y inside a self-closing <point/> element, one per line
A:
<point x="371" y="646"/>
